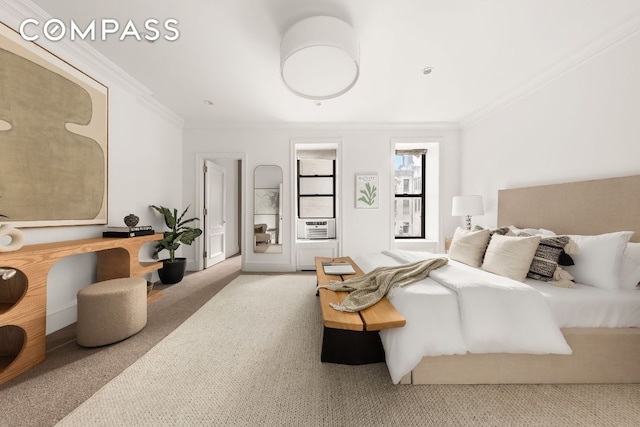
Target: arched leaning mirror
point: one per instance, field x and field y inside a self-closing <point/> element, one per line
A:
<point x="267" y="205"/>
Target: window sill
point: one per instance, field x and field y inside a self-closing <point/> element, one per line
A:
<point x="427" y="245"/>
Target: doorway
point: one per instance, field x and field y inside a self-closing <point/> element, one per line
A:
<point x="215" y="199"/>
<point x="219" y="186"/>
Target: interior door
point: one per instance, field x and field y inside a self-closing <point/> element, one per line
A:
<point x="214" y="213"/>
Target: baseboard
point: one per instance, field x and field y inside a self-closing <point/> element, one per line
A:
<point x="256" y="267"/>
<point x="62" y="317"/>
<point x="192" y="266"/>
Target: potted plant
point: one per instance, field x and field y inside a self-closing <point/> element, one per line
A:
<point x="173" y="268"/>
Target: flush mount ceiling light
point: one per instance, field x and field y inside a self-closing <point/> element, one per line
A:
<point x="319" y="58"/>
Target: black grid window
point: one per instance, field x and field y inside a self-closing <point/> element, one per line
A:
<point x="409" y="221"/>
<point x="316" y="188"/>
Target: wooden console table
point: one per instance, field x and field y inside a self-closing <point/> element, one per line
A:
<point x="23" y="298"/>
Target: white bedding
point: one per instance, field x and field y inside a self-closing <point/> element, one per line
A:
<point x="590" y="307"/>
<point x="443" y="319"/>
<point x="433" y="327"/>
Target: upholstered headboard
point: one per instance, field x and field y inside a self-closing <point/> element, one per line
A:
<point x="584" y="207"/>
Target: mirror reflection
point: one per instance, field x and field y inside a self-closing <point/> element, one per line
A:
<point x="267" y="218"/>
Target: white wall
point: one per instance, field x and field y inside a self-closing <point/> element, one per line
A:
<point x="584" y="124"/>
<point x="145" y="168"/>
<point x="363" y="149"/>
<point x="140" y="146"/>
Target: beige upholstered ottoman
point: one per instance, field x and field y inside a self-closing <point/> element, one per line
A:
<point x="111" y="311"/>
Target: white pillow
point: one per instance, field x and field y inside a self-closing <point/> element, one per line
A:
<point x="468" y="246"/>
<point x="630" y="267"/>
<point x="532" y="231"/>
<point x="599" y="258"/>
<point x="510" y="256"/>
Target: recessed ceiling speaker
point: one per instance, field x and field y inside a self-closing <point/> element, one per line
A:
<point x="319" y="58"/>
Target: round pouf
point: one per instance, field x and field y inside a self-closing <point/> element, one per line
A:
<point x="111" y="311"/>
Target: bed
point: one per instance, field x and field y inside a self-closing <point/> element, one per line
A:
<point x="599" y="323"/>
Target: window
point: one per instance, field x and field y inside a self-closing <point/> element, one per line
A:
<point x="409" y="193"/>
<point x="405" y="207"/>
<point x="316" y="184"/>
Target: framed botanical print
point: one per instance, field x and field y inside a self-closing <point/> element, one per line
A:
<point x="367" y="191"/>
<point x="267" y="201"/>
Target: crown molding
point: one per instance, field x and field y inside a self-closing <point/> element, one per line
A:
<point x="609" y="40"/>
<point x="91" y="62"/>
<point x="13" y="12"/>
<point x="328" y="126"/>
<point x="162" y="110"/>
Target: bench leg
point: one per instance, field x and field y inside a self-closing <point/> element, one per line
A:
<point x="351" y="347"/>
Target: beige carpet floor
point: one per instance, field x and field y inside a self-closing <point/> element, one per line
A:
<point x="250" y="356"/>
<point x="71" y="374"/>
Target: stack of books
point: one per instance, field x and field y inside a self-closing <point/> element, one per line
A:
<point x="337" y="267"/>
<point x="139" y="230"/>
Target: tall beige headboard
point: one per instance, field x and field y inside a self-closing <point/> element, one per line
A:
<point x="584" y="207"/>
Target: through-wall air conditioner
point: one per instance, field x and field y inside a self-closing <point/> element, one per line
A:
<point x="317" y="228"/>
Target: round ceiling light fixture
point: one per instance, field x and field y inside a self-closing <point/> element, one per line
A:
<point x="319" y="58"/>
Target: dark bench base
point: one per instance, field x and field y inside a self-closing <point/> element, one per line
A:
<point x="351" y="347"/>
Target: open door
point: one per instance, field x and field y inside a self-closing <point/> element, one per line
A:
<point x="214" y="213"/>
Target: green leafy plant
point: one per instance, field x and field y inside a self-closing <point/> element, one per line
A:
<point x="179" y="232"/>
<point x="368" y="194"/>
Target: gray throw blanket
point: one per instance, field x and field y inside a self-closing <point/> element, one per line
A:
<point x="366" y="290"/>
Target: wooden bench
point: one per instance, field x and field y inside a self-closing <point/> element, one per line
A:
<point x="352" y="338"/>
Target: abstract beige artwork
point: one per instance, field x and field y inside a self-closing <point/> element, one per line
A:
<point x="53" y="138"/>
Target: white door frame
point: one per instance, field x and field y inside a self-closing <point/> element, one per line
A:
<point x="199" y="198"/>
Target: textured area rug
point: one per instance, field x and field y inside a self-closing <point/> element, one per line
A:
<point x="251" y="356"/>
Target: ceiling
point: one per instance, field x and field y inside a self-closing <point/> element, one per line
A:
<point x="483" y="52"/>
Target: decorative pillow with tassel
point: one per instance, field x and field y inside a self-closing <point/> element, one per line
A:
<point x="547" y="258"/>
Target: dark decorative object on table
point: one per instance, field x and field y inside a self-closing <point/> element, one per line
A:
<point x="131" y="220"/>
<point x="173" y="268"/>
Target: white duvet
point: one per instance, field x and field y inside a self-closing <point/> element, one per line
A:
<point x="460" y="309"/>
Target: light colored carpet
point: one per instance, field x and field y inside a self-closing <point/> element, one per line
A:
<point x="251" y="356"/>
<point x="71" y="374"/>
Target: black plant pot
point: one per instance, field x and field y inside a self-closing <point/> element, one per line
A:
<point x="172" y="272"/>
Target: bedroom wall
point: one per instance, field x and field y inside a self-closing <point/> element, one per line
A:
<point x="581" y="125"/>
<point x="144" y="141"/>
<point x="363" y="149"/>
<point x="140" y="145"/>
